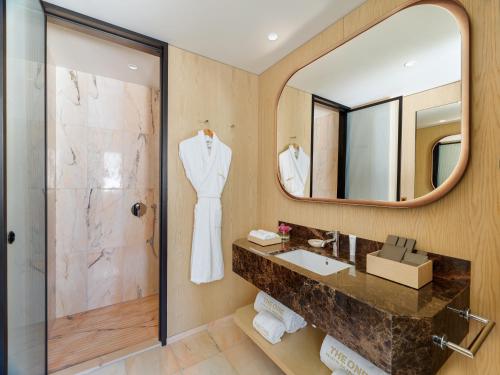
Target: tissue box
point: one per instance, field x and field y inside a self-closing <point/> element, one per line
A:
<point x="260" y="242"/>
<point x="412" y="276"/>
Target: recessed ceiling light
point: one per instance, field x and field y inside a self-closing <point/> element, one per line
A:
<point x="409" y="64"/>
<point x="133" y="67"/>
<point x="272" y="36"/>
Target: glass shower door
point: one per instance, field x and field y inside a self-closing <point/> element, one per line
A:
<point x="24" y="336"/>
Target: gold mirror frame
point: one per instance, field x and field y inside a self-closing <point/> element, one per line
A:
<point x="462" y="20"/>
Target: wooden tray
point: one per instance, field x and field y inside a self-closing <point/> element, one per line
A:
<point x="412" y="276"/>
<point x="260" y="242"/>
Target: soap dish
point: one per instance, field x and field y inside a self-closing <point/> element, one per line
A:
<point x="315" y="242"/>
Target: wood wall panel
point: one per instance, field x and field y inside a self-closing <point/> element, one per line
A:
<point x="294" y="120"/>
<point x="411" y="105"/>
<point x="326" y="155"/>
<point x="465" y="223"/>
<point x="201" y="89"/>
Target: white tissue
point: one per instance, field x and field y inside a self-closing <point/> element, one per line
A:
<point x="270" y="327"/>
<point x="263" y="234"/>
<point x="337" y="356"/>
<point x="292" y="321"/>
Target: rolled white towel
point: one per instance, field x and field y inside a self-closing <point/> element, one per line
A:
<point x="292" y="321"/>
<point x="270" y="327"/>
<point x="263" y="234"/>
<point x="336" y="356"/>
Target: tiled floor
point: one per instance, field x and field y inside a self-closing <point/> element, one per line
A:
<point x="222" y="349"/>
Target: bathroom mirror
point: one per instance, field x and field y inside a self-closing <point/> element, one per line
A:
<point x="383" y="118"/>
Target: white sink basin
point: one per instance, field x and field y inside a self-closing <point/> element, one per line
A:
<point x="314" y="262"/>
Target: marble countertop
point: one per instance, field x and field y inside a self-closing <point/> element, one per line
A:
<point x="381" y="294"/>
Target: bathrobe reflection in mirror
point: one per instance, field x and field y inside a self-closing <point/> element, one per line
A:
<point x="206" y="161"/>
<point x="294" y="169"/>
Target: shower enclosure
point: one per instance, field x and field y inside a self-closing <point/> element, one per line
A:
<point x="84" y="188"/>
<point x="102" y="160"/>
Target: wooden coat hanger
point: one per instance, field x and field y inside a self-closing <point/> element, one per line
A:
<point x="208" y="132"/>
<point x="294" y="144"/>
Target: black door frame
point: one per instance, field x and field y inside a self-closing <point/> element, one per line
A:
<point x="122" y="36"/>
<point x="342" y="152"/>
<point x="3" y="216"/>
<point x="399" y="99"/>
<point x="342" y="110"/>
<point x="128" y="38"/>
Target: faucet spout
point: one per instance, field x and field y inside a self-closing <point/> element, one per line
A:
<point x="334" y="241"/>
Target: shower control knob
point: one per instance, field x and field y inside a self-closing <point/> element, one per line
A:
<point x="138" y="209"/>
<point x="11" y="237"/>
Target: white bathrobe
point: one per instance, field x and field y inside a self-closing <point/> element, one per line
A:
<point x="294" y="170"/>
<point x="207" y="169"/>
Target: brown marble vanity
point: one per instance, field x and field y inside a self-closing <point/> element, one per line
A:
<point x="389" y="324"/>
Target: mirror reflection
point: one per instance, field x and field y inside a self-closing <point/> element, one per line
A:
<point x="437" y="146"/>
<point x="378" y="118"/>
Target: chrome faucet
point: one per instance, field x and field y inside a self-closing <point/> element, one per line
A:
<point x="334" y="240"/>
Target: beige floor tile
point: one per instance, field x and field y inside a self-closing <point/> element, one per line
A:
<point x="169" y="364"/>
<point x="248" y="359"/>
<point x="117" y="368"/>
<point x="216" y="365"/>
<point x="226" y="333"/>
<point x="194" y="349"/>
<point x="145" y="363"/>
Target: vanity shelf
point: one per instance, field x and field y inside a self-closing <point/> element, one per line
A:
<point x="389" y="324"/>
<point x="296" y="354"/>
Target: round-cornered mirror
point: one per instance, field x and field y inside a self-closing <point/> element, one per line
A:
<point x="383" y="119"/>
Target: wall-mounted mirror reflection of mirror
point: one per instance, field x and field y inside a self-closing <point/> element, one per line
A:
<point x="437" y="146"/>
<point x="368" y="121"/>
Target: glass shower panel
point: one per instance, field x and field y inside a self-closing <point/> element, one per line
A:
<point x="372" y="152"/>
<point x="25" y="107"/>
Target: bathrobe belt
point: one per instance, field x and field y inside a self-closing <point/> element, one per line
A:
<point x="208" y="196"/>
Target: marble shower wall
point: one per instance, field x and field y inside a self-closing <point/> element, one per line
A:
<point x="103" y="159"/>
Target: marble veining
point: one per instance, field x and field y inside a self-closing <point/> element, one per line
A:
<point x="103" y="156"/>
<point x="387" y="323"/>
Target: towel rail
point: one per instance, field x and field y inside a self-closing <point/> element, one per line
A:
<point x="443" y="343"/>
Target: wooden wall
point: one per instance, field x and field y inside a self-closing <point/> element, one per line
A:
<point x="201" y="89"/>
<point x="465" y="223"/>
<point x="294" y="119"/>
<point x="326" y="154"/>
<point x="435" y="97"/>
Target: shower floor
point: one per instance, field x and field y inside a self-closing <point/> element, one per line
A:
<point x="80" y="337"/>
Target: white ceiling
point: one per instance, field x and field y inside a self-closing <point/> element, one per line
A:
<point x="231" y="31"/>
<point x="371" y="66"/>
<point x="78" y="51"/>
